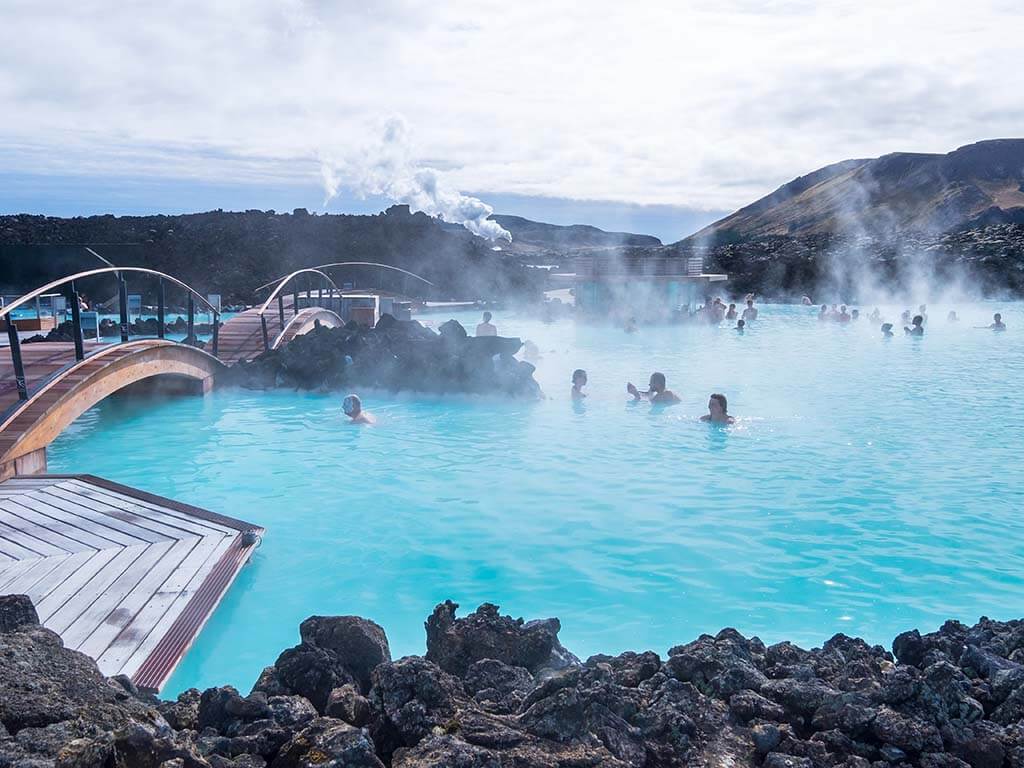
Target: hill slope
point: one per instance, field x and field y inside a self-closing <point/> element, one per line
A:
<point x="976" y="185"/>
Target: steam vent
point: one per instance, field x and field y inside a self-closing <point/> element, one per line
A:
<point x="644" y="286"/>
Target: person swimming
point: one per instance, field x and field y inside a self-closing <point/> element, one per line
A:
<point x="905" y="316"/>
<point x="917" y="329"/>
<point x="806" y="301"/>
<point x="997" y="323"/>
<point x="731" y="314"/>
<point x="656" y="393"/>
<point x="887" y="330"/>
<point x="579" y="381"/>
<point x="353" y="408"/>
<point x="823" y="314"/>
<point x="718" y="410"/>
<point x="855" y="314"/>
<point x="875" y="315"/>
<point x="844" y="316"/>
<point x="741" y="325"/>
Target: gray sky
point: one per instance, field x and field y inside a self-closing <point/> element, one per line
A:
<point x="696" y="105"/>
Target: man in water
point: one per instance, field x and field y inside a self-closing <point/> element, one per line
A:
<point x="656" y="392"/>
<point x="855" y="314"/>
<point x="741" y="324"/>
<point x="750" y="313"/>
<point x="718" y="410"/>
<point x="353" y="408"/>
<point x="887" y="330"/>
<point x="486" y="328"/>
<point x="843" y="316"/>
<point x="731" y="314"/>
<point x="917" y="329"/>
<point x="579" y="381"/>
<point x="823" y="315"/>
<point x="998" y="324"/>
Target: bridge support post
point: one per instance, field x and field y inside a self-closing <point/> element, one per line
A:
<point x="33" y="463"/>
<point x="266" y="336"/>
<point x="161" y="310"/>
<point x="216" y="332"/>
<point x="190" y="338"/>
<point x="76" y="322"/>
<point x="19" y="366"/>
<point x="123" y="301"/>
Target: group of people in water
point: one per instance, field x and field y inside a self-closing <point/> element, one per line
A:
<point x="912" y="325"/>
<point x="713" y="312"/>
<point x="658" y="393"/>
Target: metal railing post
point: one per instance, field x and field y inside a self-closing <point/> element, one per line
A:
<point x="76" y="321"/>
<point x="280" y="308"/>
<point x="320" y="296"/>
<point x="190" y="337"/>
<point x="19" y="366"/>
<point x="161" y="310"/>
<point x="123" y="301"/>
<point x="266" y="336"/>
<point x="216" y="333"/>
<point x="295" y="300"/>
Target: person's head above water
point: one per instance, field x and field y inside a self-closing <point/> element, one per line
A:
<point x="487" y="317"/>
<point x="579" y="377"/>
<point x="718" y="405"/>
<point x="750" y="302"/>
<point x="352" y="406"/>
<point x="918" y="320"/>
<point x="997" y="317"/>
<point x="657" y="383"/>
<point x="887" y="329"/>
<point x="741" y="323"/>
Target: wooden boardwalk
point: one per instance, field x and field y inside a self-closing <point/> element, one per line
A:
<point x="121" y="575"/>
<point x="42" y="360"/>
<point x="241" y="337"/>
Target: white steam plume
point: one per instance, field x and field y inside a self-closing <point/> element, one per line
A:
<point x="387" y="168"/>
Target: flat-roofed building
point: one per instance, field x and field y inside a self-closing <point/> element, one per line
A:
<point x="644" y="286"/>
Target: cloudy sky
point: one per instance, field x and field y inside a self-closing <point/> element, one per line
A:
<point x="659" y="114"/>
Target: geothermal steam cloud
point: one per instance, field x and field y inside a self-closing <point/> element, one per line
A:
<point x="389" y="169"/>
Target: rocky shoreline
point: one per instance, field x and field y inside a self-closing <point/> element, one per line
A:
<point x="495" y="691"/>
<point x="395" y="355"/>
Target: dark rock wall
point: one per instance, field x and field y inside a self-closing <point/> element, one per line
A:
<point x="495" y="691"/>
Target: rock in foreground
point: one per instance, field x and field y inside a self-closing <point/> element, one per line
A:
<point x="495" y="691"/>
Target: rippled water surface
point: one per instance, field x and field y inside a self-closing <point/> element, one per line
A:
<point x="869" y="486"/>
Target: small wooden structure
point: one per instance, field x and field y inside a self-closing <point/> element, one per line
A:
<point x="121" y="575"/>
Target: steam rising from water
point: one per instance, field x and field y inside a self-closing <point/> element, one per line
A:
<point x="389" y="169"/>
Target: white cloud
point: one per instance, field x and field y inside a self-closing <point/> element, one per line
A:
<point x="702" y="104"/>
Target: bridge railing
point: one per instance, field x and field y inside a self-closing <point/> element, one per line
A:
<point x="68" y="284"/>
<point x="278" y="294"/>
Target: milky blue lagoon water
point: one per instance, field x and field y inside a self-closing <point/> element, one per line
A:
<point x="869" y="486"/>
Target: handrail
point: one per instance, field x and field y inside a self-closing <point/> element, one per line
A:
<point x="285" y="280"/>
<point x="354" y="264"/>
<point x="105" y="270"/>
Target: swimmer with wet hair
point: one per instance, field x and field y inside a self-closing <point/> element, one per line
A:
<point x="353" y="408"/>
<point x="823" y="314"/>
<point x="718" y="410"/>
<point x="997" y="323"/>
<point x="917" y="329"/>
<point x="887" y="330"/>
<point x="731" y="314"/>
<point x="741" y="325"/>
<point x="855" y="314"/>
<point x="579" y="381"/>
<point x="750" y="313"/>
<point x="657" y="393"/>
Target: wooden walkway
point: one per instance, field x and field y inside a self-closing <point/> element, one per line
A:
<point x="42" y="360"/>
<point x="241" y="337"/>
<point x="121" y="575"/>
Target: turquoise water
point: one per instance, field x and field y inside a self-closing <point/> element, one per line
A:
<point x="869" y="486"/>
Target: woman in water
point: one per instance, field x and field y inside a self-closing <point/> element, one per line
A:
<point x="718" y="410"/>
<point x="353" y="408"/>
<point x="741" y="324"/>
<point x="731" y="314"/>
<point x="656" y="392"/>
<point x="579" y="381"/>
<point x="887" y="330"/>
<point x="823" y="315"/>
<point x="917" y="329"/>
<point x="997" y="323"/>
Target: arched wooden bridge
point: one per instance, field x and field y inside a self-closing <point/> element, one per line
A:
<point x="47" y="385"/>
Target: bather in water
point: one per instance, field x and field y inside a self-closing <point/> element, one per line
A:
<point x="718" y="410"/>
<point x="353" y="408"/>
<point x="917" y="329"/>
<point x="657" y="393"/>
<point x="579" y="381"/>
<point x="887" y="330"/>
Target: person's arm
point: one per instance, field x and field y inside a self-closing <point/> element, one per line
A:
<point x="631" y="389"/>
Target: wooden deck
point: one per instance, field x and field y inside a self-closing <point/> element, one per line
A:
<point x="241" y="337"/>
<point x="42" y="360"/>
<point x="121" y="575"/>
